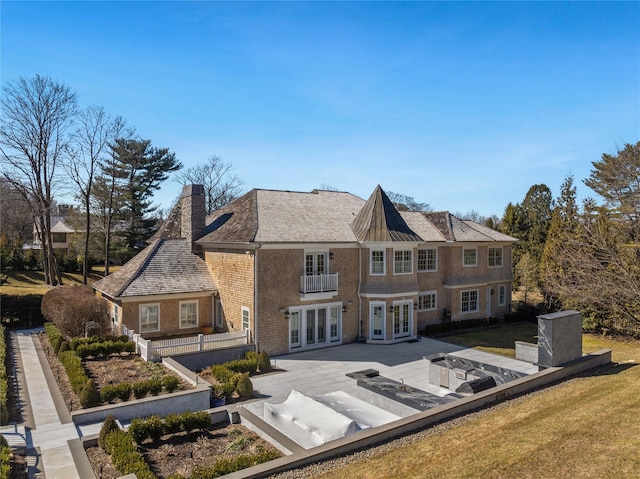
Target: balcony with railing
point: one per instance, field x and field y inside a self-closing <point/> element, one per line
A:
<point x="319" y="283"/>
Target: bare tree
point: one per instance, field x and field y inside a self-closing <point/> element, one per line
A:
<point x="36" y="114"/>
<point x="221" y="187"/>
<point x="407" y="203"/>
<point x="91" y="140"/>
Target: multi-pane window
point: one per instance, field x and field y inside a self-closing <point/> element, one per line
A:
<point x="469" y="256"/>
<point x="402" y="262"/>
<point x="246" y="317"/>
<point x="469" y="301"/>
<point x="377" y="262"/>
<point x="502" y="295"/>
<point x="59" y="237"/>
<point x="188" y="314"/>
<point x="495" y="257"/>
<point x="427" y="260"/>
<point x="149" y="317"/>
<point x="427" y="301"/>
<point x="401" y="319"/>
<point x="334" y="323"/>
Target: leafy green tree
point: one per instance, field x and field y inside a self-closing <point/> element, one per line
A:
<point x="145" y="168"/>
<point x="616" y="178"/>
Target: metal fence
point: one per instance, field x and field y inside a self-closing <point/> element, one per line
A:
<point x="151" y="350"/>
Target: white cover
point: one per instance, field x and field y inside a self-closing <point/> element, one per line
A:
<point x="307" y="421"/>
<point x="365" y="415"/>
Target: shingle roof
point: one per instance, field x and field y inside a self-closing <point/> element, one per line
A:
<point x="163" y="267"/>
<point x="379" y="220"/>
<point x="453" y="228"/>
<point x="285" y="216"/>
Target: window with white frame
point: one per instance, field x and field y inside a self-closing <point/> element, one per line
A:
<point x="188" y="314"/>
<point x="377" y="262"/>
<point x="469" y="301"/>
<point x="495" y="257"/>
<point x="469" y="257"/>
<point x="427" y="301"/>
<point x="115" y="319"/>
<point x="502" y="295"/>
<point x="246" y="317"/>
<point x="402" y="262"/>
<point x="149" y="317"/>
<point x="427" y="259"/>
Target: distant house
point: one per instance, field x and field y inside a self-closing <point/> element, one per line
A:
<point x="309" y="270"/>
<point x="61" y="231"/>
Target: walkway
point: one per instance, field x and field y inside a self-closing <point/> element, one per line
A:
<point x="48" y="431"/>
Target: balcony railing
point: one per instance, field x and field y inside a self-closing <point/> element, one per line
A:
<point x="319" y="283"/>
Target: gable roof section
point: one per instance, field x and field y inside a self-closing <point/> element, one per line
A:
<point x="163" y="267"/>
<point x="379" y="220"/>
<point x="272" y="216"/>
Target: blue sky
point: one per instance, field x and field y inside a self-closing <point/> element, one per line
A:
<point x="462" y="105"/>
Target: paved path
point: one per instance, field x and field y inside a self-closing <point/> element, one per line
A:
<point x="48" y="429"/>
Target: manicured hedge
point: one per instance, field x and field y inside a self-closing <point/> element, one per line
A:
<point x="4" y="411"/>
<point x="235" y="372"/>
<point x="154" y="427"/>
<point x="232" y="464"/>
<point x="125" y="456"/>
<point x="5" y="462"/>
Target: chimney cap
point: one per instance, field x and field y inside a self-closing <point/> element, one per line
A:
<point x="192" y="190"/>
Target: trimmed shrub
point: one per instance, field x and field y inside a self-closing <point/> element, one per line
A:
<point x="170" y="383"/>
<point x="56" y="344"/>
<point x="228" y="465"/>
<point x="264" y="362"/>
<point x="108" y="393"/>
<point x="5" y="462"/>
<point x="221" y="373"/>
<point x="155" y="428"/>
<point x="123" y="391"/>
<point x="242" y="366"/>
<point x="109" y="425"/>
<point x="125" y="457"/>
<point x="140" y="389"/>
<point x="154" y="386"/>
<point x="244" y="387"/>
<point x="4" y="412"/>
<point x="75" y="372"/>
<point x="192" y="421"/>
<point x="89" y="397"/>
<point x="172" y="424"/>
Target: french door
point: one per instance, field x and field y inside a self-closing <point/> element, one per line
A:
<point x="314" y="326"/>
<point x="377" y="315"/>
<point x="402" y="319"/>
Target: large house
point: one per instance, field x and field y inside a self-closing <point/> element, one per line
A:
<point x="309" y="270"/>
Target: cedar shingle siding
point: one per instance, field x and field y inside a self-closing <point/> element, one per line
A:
<point x="254" y="253"/>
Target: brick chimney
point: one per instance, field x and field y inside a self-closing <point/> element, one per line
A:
<point x="192" y="210"/>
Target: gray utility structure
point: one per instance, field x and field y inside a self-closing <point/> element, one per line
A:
<point x="559" y="338"/>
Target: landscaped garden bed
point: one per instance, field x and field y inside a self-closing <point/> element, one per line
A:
<point x="115" y="376"/>
<point x="192" y="451"/>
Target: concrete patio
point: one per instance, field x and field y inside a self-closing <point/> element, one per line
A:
<point x="322" y="371"/>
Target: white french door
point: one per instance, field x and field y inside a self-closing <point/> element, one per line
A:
<point x="314" y="326"/>
<point x="315" y="264"/>
<point x="377" y="316"/>
<point x="402" y="319"/>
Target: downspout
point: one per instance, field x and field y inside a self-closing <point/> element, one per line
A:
<point x="255" y="298"/>
<point x="360" y="337"/>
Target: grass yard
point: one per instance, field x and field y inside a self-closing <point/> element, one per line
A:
<point x="586" y="427"/>
<point x="21" y="283"/>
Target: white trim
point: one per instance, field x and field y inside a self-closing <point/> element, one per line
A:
<point x="301" y="310"/>
<point x="180" y="314"/>
<point x="391" y="295"/>
<point x="400" y="304"/>
<point x="161" y="297"/>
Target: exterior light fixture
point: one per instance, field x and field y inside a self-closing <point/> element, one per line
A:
<point x="415" y="305"/>
<point x="330" y="255"/>
<point x="344" y="308"/>
<point x="287" y="315"/>
<point x="391" y="308"/>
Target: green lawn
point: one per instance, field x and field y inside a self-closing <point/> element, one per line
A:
<point x="20" y="283"/>
<point x="500" y="340"/>
<point x="586" y="427"/>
